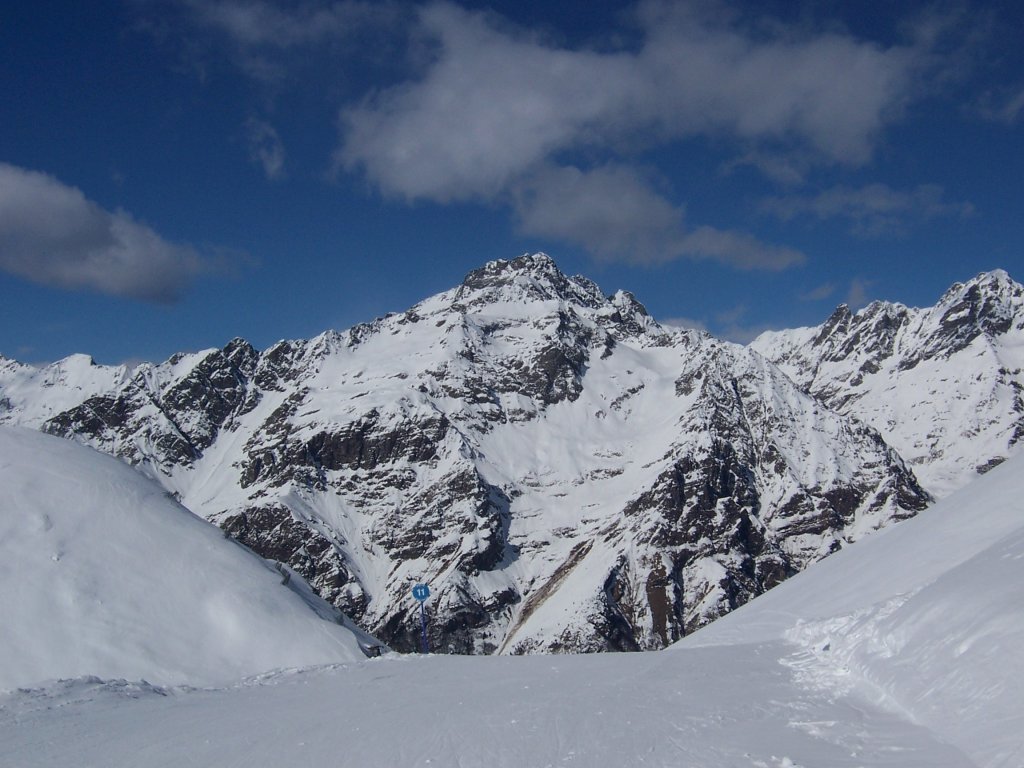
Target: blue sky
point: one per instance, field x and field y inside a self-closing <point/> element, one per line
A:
<point x="174" y="173"/>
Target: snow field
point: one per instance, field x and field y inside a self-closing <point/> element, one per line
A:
<point x="103" y="574"/>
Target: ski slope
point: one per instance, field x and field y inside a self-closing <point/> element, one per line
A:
<point x="904" y="650"/>
<point x="101" y="573"/>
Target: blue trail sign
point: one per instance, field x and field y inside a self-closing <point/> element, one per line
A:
<point x="421" y="592"/>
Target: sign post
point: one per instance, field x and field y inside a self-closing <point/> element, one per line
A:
<point x="421" y="592"/>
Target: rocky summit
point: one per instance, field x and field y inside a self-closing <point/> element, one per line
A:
<point x="562" y="471"/>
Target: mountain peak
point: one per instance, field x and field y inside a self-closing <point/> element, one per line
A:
<point x="989" y="303"/>
<point x="521" y="416"/>
<point x="530" y="277"/>
<point x="995" y="284"/>
<point x="536" y="265"/>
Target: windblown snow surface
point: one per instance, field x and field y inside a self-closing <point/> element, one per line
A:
<point x="101" y="573"/>
<point x="906" y="649"/>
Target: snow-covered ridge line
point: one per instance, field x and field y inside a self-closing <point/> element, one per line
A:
<point x="943" y="384"/>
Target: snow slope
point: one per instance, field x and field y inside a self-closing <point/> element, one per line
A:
<point x="102" y="574"/>
<point x="904" y="650"/>
<point x="925" y="618"/>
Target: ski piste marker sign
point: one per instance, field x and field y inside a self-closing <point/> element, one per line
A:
<point x="421" y="592"/>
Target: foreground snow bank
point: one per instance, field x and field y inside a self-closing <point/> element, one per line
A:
<point x="102" y="574"/>
<point x="710" y="708"/>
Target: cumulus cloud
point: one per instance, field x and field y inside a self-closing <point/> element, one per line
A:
<point x="496" y="110"/>
<point x="872" y="210"/>
<point x="494" y="102"/>
<point x="265" y="148"/>
<point x="51" y="234"/>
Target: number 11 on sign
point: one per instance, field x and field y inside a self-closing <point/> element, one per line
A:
<point x="421" y="592"/>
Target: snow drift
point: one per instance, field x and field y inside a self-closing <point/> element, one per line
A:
<point x="101" y="573"/>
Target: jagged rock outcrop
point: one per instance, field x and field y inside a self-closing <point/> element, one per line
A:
<point x="565" y="473"/>
<point x="942" y="384"/>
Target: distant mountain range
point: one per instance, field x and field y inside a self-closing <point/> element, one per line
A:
<point x="942" y="384"/>
<point x="564" y="473"/>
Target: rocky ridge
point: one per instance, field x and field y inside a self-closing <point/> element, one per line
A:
<point x="944" y="384"/>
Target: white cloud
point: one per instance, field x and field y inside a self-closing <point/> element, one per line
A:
<point x="495" y="103"/>
<point x="614" y="212"/>
<point x="872" y="210"/>
<point x="50" y="233"/>
<point x="489" y="109"/>
<point x="265" y="148"/>
<point x="495" y="112"/>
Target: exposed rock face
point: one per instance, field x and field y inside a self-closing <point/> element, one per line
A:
<point x="563" y="472"/>
<point x="942" y="384"/>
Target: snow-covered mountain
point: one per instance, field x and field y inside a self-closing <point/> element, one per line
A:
<point x="29" y="395"/>
<point x="563" y="472"/>
<point x="944" y="384"/>
<point x="102" y="574"/>
<point x="903" y="651"/>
